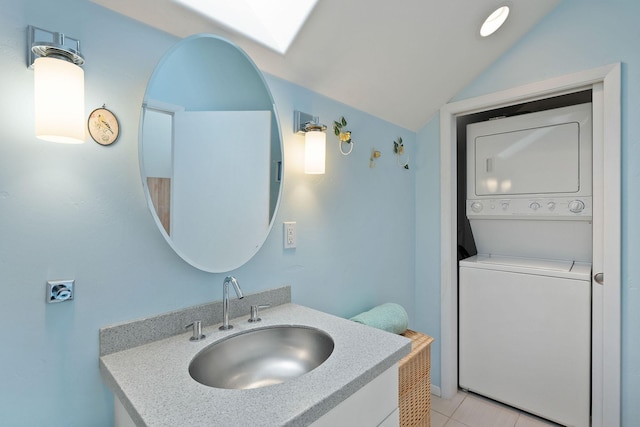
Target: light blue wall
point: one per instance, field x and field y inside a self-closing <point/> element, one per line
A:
<point x="78" y="211"/>
<point x="427" y="290"/>
<point x="578" y="35"/>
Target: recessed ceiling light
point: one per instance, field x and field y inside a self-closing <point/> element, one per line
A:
<point x="273" y="23"/>
<point x="494" y="21"/>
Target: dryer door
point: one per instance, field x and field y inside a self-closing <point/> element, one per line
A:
<point x="542" y="160"/>
<point x="546" y="154"/>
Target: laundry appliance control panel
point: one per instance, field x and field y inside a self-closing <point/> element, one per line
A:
<point x="557" y="208"/>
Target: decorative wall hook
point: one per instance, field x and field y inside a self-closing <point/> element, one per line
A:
<point x="398" y="149"/>
<point x="374" y="155"/>
<point x="344" y="136"/>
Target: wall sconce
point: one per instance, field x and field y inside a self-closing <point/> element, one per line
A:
<point x="315" y="141"/>
<point x="58" y="86"/>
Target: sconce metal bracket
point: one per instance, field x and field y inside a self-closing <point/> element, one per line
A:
<point x="42" y="42"/>
<point x="300" y="120"/>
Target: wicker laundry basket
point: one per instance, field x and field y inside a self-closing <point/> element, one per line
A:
<point x="415" y="382"/>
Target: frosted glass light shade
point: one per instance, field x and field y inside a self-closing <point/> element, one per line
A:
<point x="59" y="101"/>
<point x="314" y="152"/>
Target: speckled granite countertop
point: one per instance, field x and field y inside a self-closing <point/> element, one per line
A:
<point x="153" y="383"/>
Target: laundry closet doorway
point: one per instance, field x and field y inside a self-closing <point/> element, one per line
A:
<point x="604" y="85"/>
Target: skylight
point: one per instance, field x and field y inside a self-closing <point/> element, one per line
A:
<point x="273" y="23"/>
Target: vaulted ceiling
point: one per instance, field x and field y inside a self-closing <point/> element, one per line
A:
<point x="397" y="60"/>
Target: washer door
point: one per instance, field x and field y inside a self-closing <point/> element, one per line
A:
<point x="525" y="340"/>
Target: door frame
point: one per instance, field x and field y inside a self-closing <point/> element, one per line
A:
<point x="605" y="82"/>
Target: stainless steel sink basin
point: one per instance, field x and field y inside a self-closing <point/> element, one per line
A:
<point x="261" y="357"/>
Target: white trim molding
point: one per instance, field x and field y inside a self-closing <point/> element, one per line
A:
<point x="605" y="82"/>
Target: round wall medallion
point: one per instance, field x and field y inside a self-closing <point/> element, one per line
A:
<point x="103" y="126"/>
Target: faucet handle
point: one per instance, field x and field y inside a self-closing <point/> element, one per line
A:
<point x="254" y="312"/>
<point x="197" y="330"/>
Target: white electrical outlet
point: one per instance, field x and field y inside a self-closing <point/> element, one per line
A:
<point x="289" y="234"/>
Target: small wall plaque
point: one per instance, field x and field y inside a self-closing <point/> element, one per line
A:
<point x="103" y="126"/>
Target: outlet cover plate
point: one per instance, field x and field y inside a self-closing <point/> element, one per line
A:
<point x="290" y="238"/>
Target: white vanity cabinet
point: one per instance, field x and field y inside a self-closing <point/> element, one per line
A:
<point x="120" y="416"/>
<point x="374" y="405"/>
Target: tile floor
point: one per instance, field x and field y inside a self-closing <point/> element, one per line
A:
<point x="470" y="410"/>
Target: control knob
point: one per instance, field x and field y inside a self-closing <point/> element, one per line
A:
<point x="476" y="207"/>
<point x="534" y="205"/>
<point x="551" y="205"/>
<point x="505" y="206"/>
<point x="576" y="206"/>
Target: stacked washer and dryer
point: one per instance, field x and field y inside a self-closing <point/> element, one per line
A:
<point x="525" y="298"/>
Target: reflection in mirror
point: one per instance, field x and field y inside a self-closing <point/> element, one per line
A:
<point x="210" y="153"/>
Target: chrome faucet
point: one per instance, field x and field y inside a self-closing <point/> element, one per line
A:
<point x="225" y="300"/>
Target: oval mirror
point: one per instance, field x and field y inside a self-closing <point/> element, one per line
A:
<point x="210" y="153"/>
